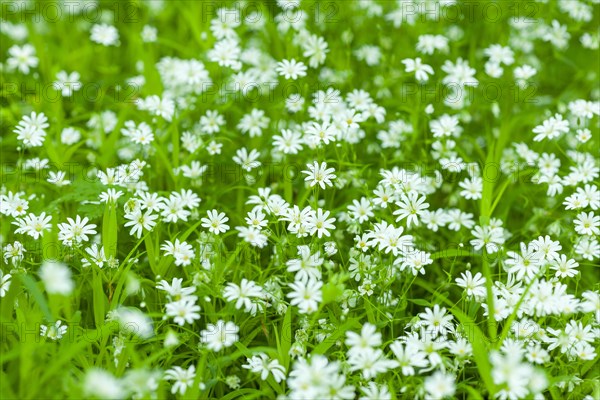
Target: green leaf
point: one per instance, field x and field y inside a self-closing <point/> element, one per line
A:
<point x="332" y="292"/>
<point x="286" y="338"/>
<point x="246" y="394"/>
<point x="420" y="302"/>
<point x="475" y="336"/>
<point x="322" y="347"/>
<point x="151" y="255"/>
<point x="7" y="305"/>
<point x="100" y="300"/>
<point x="50" y="246"/>
<point x="32" y="287"/>
<point x="473" y="394"/>
<point x="480" y="352"/>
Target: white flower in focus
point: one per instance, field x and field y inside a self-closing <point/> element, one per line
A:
<point x="319" y="174"/>
<point x="183" y="378"/>
<point x="53" y="332"/>
<point x="291" y="69"/>
<point x="216" y="222"/>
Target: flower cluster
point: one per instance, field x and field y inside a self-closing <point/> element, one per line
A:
<point x="295" y="199"/>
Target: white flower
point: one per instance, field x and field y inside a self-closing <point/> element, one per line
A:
<point x="290" y="142"/>
<point x="488" y="237"/>
<point x="472" y="188"/>
<point x="164" y="107"/>
<point x="22" y="58"/>
<point x="524" y="73"/>
<point x="149" y="34"/>
<point x="583" y="135"/>
<point x="551" y="128"/>
<point x="31" y="130"/>
<point x="316" y="48"/>
<point x="368" y="339"/>
<point x="565" y="268"/>
<point x="361" y="210"/>
<point x="587" y="224"/>
<point x="557" y="34"/>
<point x="33" y="225"/>
<point x="75" y="231"/>
<point x="500" y="54"/>
<point x="248" y="161"/>
<point x="184" y="310"/>
<point x="173" y="209"/>
<point x="174" y="290"/>
<point x="319" y="223"/>
<point x="526" y="264"/>
<point x="110" y="196"/>
<point x="140" y="134"/>
<point x="4" y="283"/>
<point x="546" y="248"/>
<point x="58" y="178"/>
<point x="408" y="357"/>
<point x="375" y="392"/>
<point x="182" y="251"/>
<point x="134" y="321"/>
<point x="261" y="364"/>
<point x="436" y="321"/>
<point x="459" y="73"/>
<point x="96" y="254"/>
<point x="244" y="295"/>
<point x="140" y="221"/>
<point x="411" y="207"/>
<point x="254" y="123"/>
<point x="414" y="259"/>
<point x="214" y="148"/>
<point x="474" y="285"/>
<point x="316" y="133"/>
<point x="428" y="44"/>
<point x="216" y="222"/>
<point x="446" y="125"/>
<point x="307" y="266"/>
<point x="583" y="351"/>
<point x="219" y="335"/>
<point x="371" y="363"/>
<point x="422" y="71"/>
<point x="183" y="378"/>
<point x="252" y="235"/>
<point x="306" y="295"/>
<point x="319" y="174"/>
<point x="105" y="35"/>
<point x="56" y="277"/>
<point x="440" y="385"/>
<point x="67" y="83"/>
<point x="291" y="69"/>
<point x="53" y="332"/>
<point x="212" y="121"/>
<point x="509" y="370"/>
<point x="102" y="384"/>
<point x="70" y="136"/>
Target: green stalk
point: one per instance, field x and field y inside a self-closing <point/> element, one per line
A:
<point x="109" y="231"/>
<point x="492" y="327"/>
